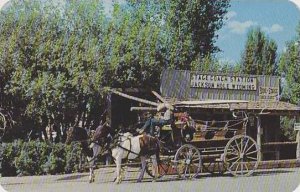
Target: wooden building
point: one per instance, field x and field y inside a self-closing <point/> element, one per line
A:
<point x="263" y="106"/>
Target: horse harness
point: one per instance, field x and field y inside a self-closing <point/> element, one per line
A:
<point x="146" y="142"/>
<point x="127" y="150"/>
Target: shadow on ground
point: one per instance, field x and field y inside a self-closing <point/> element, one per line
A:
<point x="72" y="177"/>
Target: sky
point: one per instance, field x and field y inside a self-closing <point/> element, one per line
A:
<point x="2" y="2"/>
<point x="277" y="18"/>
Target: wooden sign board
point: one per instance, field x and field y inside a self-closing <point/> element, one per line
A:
<point x="211" y="81"/>
<point x="297" y="126"/>
<point x="269" y="93"/>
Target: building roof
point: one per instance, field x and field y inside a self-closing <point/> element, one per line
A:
<point x="272" y="107"/>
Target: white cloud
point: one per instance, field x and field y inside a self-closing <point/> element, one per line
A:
<point x="240" y="27"/>
<point x="296" y="2"/>
<point x="230" y="15"/>
<point x="273" y="29"/>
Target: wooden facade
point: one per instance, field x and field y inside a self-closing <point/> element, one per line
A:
<point x="261" y="92"/>
<point x="188" y="85"/>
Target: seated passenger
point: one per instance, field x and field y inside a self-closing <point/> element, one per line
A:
<point x="152" y="122"/>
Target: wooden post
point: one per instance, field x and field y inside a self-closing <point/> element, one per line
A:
<point x="134" y="98"/>
<point x="258" y="138"/>
<point x="109" y="109"/>
<point x="297" y="129"/>
<point x="298" y="145"/>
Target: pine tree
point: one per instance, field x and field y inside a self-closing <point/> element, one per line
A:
<point x="259" y="57"/>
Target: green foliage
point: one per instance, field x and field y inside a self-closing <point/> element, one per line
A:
<point x="37" y="158"/>
<point x="259" y="57"/>
<point x="56" y="160"/>
<point x="209" y="64"/>
<point x="73" y="155"/>
<point x="188" y="28"/>
<point x="9" y="152"/>
<point x="57" y="57"/>
<point x="287" y="125"/>
<point x="32" y="157"/>
<point x="289" y="67"/>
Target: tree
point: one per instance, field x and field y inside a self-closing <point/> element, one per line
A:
<point x="189" y="28"/>
<point x="289" y="67"/>
<point x="50" y="63"/>
<point x="58" y="57"/>
<point x="259" y="57"/>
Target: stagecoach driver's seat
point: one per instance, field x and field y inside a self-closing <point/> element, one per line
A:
<point x="167" y="118"/>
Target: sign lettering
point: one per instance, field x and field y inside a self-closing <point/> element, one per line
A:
<point x="268" y="93"/>
<point x="223" y="82"/>
<point x="297" y="126"/>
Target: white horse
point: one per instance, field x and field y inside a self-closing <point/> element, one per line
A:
<point x="127" y="147"/>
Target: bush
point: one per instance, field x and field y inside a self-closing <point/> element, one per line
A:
<point x="37" y="158"/>
<point x="9" y="152"/>
<point x="32" y="157"/>
<point x="73" y="157"/>
<point x="56" y="160"/>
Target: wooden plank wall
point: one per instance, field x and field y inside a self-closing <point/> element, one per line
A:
<point x="176" y="84"/>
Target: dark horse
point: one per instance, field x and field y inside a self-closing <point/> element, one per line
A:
<point x="124" y="146"/>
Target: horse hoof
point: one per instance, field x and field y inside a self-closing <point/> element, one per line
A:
<point x="91" y="180"/>
<point x="139" y="181"/>
<point x="117" y="181"/>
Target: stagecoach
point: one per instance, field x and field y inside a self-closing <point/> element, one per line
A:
<point x="190" y="145"/>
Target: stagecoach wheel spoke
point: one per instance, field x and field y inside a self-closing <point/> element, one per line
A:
<point x="234" y="163"/>
<point x="246" y="167"/>
<point x="232" y="159"/>
<point x="247" y="154"/>
<point x="237" y="145"/>
<point x="249" y="148"/>
<point x="188" y="161"/>
<point x="242" y="168"/>
<point x="252" y="152"/>
<point x="245" y="147"/>
<point x="252" y="158"/>
<point x="234" y="150"/>
<point x="237" y="166"/>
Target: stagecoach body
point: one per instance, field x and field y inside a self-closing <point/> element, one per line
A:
<point x="254" y="123"/>
<point x="214" y="146"/>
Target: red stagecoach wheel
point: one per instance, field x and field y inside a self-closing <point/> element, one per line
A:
<point x="241" y="155"/>
<point x="188" y="161"/>
<point x="164" y="167"/>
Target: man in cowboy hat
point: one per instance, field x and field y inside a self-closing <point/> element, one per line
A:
<point x="152" y="122"/>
